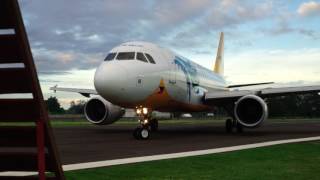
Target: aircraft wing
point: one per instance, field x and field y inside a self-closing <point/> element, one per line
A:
<point x="267" y="92"/>
<point x="246" y="85"/>
<point x="84" y="92"/>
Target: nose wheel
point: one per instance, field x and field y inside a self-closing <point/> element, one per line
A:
<point x="147" y="124"/>
<point x="141" y="133"/>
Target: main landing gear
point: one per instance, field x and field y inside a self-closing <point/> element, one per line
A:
<point x="147" y="124"/>
<point x="232" y="123"/>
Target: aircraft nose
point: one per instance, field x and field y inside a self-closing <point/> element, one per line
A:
<point x="110" y="80"/>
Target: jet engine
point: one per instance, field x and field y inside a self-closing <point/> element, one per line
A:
<point x="250" y="111"/>
<point x="101" y="112"/>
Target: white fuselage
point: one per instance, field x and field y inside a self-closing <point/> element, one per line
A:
<point x="171" y="83"/>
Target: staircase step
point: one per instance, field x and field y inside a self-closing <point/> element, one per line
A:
<point x="21" y="161"/>
<point x="14" y="80"/>
<point x="6" y="16"/>
<point x="9" y="49"/>
<point x="19" y="110"/>
<point x="18" y="136"/>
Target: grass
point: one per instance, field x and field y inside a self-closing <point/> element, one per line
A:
<point x="125" y="122"/>
<point x="58" y="123"/>
<point x="288" y="161"/>
<point x="134" y="122"/>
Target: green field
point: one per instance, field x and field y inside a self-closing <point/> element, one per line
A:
<point x="288" y="161"/>
<point x="134" y="122"/>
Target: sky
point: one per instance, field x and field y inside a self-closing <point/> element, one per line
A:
<point x="264" y="40"/>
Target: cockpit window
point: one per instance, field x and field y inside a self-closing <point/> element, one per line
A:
<point x="126" y="56"/>
<point x="110" y="56"/>
<point x="141" y="57"/>
<point x="150" y="58"/>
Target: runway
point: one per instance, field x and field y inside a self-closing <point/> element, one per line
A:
<point x="99" y="143"/>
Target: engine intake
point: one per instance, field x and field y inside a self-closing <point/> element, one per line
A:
<point x="100" y="111"/>
<point x="250" y="111"/>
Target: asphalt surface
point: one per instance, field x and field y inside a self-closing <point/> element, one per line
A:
<point x="96" y="143"/>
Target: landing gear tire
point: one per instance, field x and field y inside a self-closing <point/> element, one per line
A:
<point x="229" y="125"/>
<point x="144" y="133"/>
<point x="154" y="125"/>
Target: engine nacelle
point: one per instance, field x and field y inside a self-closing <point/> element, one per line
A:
<point x="250" y="111"/>
<point x="100" y="111"/>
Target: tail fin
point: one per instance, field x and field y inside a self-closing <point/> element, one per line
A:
<point x="219" y="65"/>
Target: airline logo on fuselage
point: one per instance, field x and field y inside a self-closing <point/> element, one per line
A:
<point x="190" y="73"/>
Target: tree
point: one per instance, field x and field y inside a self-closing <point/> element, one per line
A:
<point x="76" y="107"/>
<point x="54" y="106"/>
<point x="306" y="105"/>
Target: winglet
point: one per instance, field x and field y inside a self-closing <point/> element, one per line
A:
<point x="219" y="64"/>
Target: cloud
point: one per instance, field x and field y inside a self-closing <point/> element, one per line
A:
<point x="310" y="33"/>
<point x="280" y="66"/>
<point x="44" y="73"/>
<point x="283" y="27"/>
<point x="309" y="9"/>
<point x="228" y="3"/>
<point x="59" y="61"/>
<point x="197" y="33"/>
<point x="231" y="13"/>
<point x="73" y="34"/>
<point x="177" y="12"/>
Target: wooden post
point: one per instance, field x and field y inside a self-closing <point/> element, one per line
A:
<point x="41" y="150"/>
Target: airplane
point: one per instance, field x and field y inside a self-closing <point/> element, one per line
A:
<point x="146" y="77"/>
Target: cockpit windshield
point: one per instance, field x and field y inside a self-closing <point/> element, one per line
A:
<point x="141" y="57"/>
<point x="126" y="56"/>
<point x="144" y="57"/>
<point x="110" y="56"/>
<point x="151" y="60"/>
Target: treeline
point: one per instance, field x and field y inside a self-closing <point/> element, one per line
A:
<point x="307" y="105"/>
<point x="283" y="106"/>
<point x="54" y="107"/>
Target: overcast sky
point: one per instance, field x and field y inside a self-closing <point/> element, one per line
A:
<point x="264" y="40"/>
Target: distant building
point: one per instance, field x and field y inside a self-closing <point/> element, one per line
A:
<point x="130" y="113"/>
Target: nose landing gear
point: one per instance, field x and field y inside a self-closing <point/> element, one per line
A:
<point x="141" y="133"/>
<point x="147" y="123"/>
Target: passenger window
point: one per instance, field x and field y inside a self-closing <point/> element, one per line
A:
<point x="126" y="56"/>
<point x="150" y="59"/>
<point x="110" y="57"/>
<point x="141" y="57"/>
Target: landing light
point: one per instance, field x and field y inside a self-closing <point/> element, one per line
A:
<point x="146" y="121"/>
<point x="138" y="111"/>
<point x="145" y="110"/>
